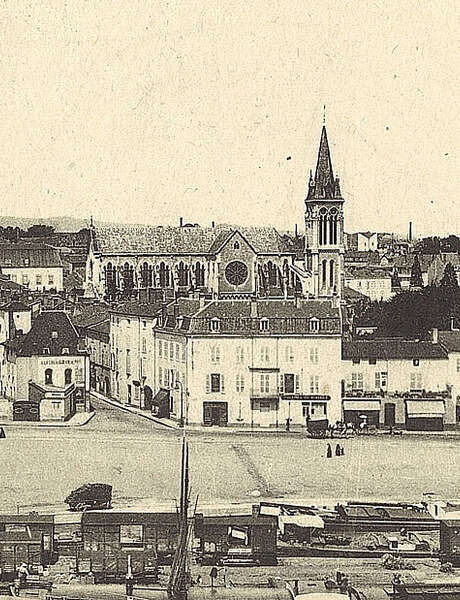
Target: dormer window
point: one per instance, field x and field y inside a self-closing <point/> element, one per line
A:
<point x="416" y="362"/>
<point x="236" y="246"/>
<point x="264" y="324"/>
<point x="314" y="324"/>
<point x="46" y="350"/>
<point x="214" y="324"/>
<point x="26" y="262"/>
<point x="54" y="335"/>
<point x="65" y="350"/>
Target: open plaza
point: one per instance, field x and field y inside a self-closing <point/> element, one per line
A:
<point x="141" y="460"/>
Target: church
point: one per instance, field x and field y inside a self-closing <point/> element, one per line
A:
<point x="225" y="262"/>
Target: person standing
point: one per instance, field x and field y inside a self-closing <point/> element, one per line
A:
<point x="329" y="451"/>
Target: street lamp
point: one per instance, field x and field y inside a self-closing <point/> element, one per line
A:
<point x="180" y="386"/>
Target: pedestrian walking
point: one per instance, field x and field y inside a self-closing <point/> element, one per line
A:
<point x="342" y="451"/>
<point x="2" y="432"/>
<point x="338" y="451"/>
<point x="329" y="451"/>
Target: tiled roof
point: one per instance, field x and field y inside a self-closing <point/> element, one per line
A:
<point x="284" y="317"/>
<point x="269" y="309"/>
<point x="86" y="316"/>
<point x="16" y="306"/>
<point x="137" y="309"/>
<point x="52" y="330"/>
<point x="450" y="340"/>
<point x="367" y="273"/>
<point x="386" y="349"/>
<point x="7" y="284"/>
<point x="351" y="294"/>
<point x="28" y="254"/>
<point x="126" y="239"/>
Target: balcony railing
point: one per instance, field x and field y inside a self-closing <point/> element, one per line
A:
<point x="356" y="393"/>
<point x="273" y="392"/>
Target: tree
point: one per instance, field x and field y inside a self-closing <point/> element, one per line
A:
<point x="416" y="279"/>
<point x="449" y="279"/>
<point x="40" y="230"/>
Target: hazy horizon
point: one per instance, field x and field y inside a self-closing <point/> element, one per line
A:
<point x="142" y="113"/>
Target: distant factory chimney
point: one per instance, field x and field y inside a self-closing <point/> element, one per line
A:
<point x="181" y="221"/>
<point x="410" y="231"/>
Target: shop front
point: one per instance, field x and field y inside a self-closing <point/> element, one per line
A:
<point x="425" y="415"/>
<point x="215" y="413"/>
<point x="361" y="410"/>
<point x="264" y="412"/>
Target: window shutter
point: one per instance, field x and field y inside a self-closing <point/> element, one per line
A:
<point x="297" y="386"/>
<point x="242" y="383"/>
<point x="208" y="383"/>
<point x="222" y="385"/>
<point x="281" y="383"/>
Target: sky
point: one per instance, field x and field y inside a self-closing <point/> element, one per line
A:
<point x="142" y="112"/>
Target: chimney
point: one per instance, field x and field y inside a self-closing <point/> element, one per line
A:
<point x="410" y="231"/>
<point x="213" y="224"/>
<point x="298" y="301"/>
<point x="296" y="233"/>
<point x="181" y="221"/>
<point x="254" y="313"/>
<point x="434" y="335"/>
<point x="202" y="301"/>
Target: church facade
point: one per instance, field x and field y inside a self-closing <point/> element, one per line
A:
<point x="223" y="261"/>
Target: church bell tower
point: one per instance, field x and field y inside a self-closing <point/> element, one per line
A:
<point x="324" y="246"/>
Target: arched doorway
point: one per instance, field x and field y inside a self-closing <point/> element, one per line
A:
<point x="148" y="398"/>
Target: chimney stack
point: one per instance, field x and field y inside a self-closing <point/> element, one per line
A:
<point x="410" y="231"/>
<point x="435" y="335"/>
<point x="296" y="233"/>
<point x="202" y="301"/>
<point x="254" y="312"/>
<point x="181" y="221"/>
<point x="213" y="224"/>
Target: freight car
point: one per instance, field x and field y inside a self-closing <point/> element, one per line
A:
<point x="109" y="537"/>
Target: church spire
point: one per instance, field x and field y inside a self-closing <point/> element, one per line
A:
<point x="325" y="185"/>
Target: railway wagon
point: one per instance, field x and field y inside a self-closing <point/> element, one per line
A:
<point x="25" y="538"/>
<point x="17" y="548"/>
<point x="108" y="538"/>
<point x="449" y="541"/>
<point x="237" y="539"/>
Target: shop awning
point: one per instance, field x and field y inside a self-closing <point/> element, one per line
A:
<point x="425" y="408"/>
<point x="309" y="521"/>
<point x="362" y="405"/>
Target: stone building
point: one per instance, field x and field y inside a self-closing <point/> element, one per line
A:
<point x="241" y="362"/>
<point x="46" y="370"/>
<point x="397" y="382"/>
<point x="35" y="266"/>
<point x="226" y="261"/>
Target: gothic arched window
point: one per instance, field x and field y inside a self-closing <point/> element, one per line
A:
<point x="164" y="275"/>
